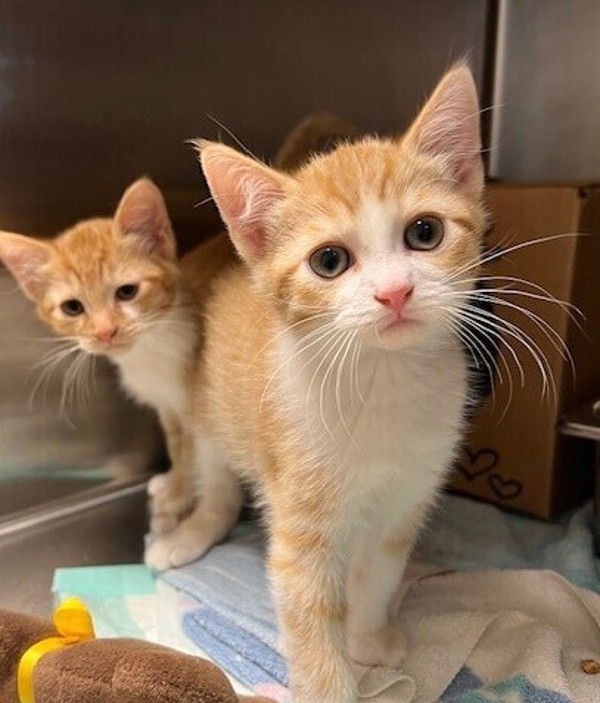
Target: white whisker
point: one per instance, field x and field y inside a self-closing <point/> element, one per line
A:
<point x="548" y="382"/>
<point x="338" y="334"/>
<point x="307" y="342"/>
<point x="515" y="247"/>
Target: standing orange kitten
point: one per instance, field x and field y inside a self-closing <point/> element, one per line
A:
<point x="113" y="287"/>
<point x="332" y="375"/>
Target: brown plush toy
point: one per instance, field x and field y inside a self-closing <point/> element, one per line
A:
<point x="107" y="670"/>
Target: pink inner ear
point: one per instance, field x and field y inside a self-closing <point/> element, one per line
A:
<point x="449" y="127"/>
<point x="142" y="213"/>
<point x="25" y="258"/>
<point x="245" y="192"/>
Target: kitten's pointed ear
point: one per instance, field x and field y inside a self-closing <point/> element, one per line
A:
<point x="449" y="127"/>
<point x="26" y="259"/>
<point x="245" y="191"/>
<point x="142" y="214"/>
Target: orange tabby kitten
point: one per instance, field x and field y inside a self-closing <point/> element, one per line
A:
<point x="331" y="375"/>
<point x="114" y="287"/>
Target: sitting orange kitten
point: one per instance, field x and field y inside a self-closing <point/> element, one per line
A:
<point x="332" y="377"/>
<point x="115" y="288"/>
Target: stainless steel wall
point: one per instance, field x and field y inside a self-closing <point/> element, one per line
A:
<point x="93" y="94"/>
<point x="546" y="124"/>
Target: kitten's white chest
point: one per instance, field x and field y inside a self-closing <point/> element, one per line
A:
<point x="411" y="418"/>
<point x="392" y="420"/>
<point x="156" y="370"/>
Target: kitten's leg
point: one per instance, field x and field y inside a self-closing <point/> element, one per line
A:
<point x="172" y="494"/>
<point x="214" y="516"/>
<point x="308" y="575"/>
<point x="374" y="578"/>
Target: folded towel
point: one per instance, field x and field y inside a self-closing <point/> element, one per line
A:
<point x="469" y="535"/>
<point x="518" y="635"/>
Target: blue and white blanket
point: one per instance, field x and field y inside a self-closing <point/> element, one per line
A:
<point x="511" y="635"/>
<point x="525" y="628"/>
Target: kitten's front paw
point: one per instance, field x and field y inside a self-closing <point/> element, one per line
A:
<point x="387" y="647"/>
<point x="176" y="549"/>
<point x="168" y="553"/>
<point x="169" y="503"/>
<point x="189" y="541"/>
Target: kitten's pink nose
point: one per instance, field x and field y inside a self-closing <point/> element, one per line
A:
<point x="396" y="298"/>
<point x="106" y="334"/>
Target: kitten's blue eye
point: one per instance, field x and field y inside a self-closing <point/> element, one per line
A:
<point x="72" y="307"/>
<point x="127" y="291"/>
<point x="424" y="234"/>
<point x="330" y="261"/>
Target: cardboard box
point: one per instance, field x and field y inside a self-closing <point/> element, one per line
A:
<point x="513" y="455"/>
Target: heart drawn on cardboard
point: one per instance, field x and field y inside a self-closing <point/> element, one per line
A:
<point x="505" y="489"/>
<point x="472" y="465"/>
